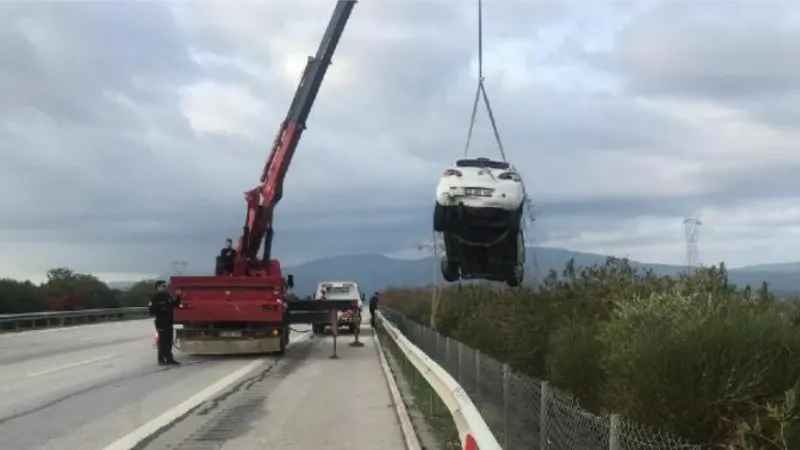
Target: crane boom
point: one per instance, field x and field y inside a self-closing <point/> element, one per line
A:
<point x="262" y="200"/>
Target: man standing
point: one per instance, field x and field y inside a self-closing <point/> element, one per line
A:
<point x="226" y="257"/>
<point x="373" y="306"/>
<point x="162" y="306"/>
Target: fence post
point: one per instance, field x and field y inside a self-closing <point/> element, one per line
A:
<point x="544" y="404"/>
<point x="614" y="442"/>
<point x="447" y="355"/>
<point x="506" y="401"/>
<point x="477" y="377"/>
<point x="459" y="356"/>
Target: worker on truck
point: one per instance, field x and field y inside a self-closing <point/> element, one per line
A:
<point x="162" y="306"/>
<point x="225" y="259"/>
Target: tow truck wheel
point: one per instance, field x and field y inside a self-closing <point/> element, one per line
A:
<point x="284" y="342"/>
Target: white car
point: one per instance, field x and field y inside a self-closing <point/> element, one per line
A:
<point x="479" y="208"/>
<point x="340" y="290"/>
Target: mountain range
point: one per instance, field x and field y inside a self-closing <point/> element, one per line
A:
<point x="376" y="272"/>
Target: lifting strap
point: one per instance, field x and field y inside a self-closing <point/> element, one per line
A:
<point x="480" y="93"/>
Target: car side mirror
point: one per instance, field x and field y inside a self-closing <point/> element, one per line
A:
<point x="290" y="281"/>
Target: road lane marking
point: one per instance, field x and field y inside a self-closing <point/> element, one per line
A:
<point x="132" y="439"/>
<point x="84" y="327"/>
<point x="70" y="366"/>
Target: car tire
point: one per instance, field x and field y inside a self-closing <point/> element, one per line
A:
<point x="517" y="274"/>
<point x="515" y="219"/>
<point x="439" y="218"/>
<point x="450" y="271"/>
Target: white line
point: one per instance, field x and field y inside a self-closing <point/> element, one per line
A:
<point x="12" y="334"/>
<point x="133" y="438"/>
<point x="70" y="366"/>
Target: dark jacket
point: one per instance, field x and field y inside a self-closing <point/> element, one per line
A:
<point x="373" y="302"/>
<point x="162" y="306"/>
<point x="227" y="255"/>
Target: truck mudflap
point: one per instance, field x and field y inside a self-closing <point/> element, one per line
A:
<point x="230" y="342"/>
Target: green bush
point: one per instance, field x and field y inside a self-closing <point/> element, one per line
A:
<point x="690" y="354"/>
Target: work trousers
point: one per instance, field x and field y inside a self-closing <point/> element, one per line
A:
<point x="165" y="336"/>
<point x="372" y="316"/>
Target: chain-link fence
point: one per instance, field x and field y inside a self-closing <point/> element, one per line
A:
<point x="524" y="412"/>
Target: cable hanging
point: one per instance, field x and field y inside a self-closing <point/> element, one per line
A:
<point x="480" y="93"/>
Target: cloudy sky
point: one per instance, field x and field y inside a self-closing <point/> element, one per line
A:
<point x="130" y="130"/>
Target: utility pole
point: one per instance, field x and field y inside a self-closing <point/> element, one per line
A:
<point x="435" y="248"/>
<point x="179" y="266"/>
<point x="692" y="234"/>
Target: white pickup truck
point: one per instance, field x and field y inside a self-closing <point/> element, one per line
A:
<point x="341" y="290"/>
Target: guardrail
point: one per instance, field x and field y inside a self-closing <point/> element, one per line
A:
<point x="50" y="319"/>
<point x="519" y="411"/>
<point x="473" y="431"/>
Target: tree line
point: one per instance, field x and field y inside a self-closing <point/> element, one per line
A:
<point x="67" y="290"/>
<point x="694" y="354"/>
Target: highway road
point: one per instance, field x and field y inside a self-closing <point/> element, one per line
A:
<point x="99" y="387"/>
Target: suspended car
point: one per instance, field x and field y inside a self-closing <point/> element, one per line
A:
<point x="479" y="205"/>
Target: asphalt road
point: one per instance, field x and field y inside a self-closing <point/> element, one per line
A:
<point x="98" y="387"/>
<point x="84" y="388"/>
<point x="306" y="401"/>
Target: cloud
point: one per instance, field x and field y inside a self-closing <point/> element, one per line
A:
<point x="130" y="130"/>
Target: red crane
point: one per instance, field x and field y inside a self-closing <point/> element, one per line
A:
<point x="261" y="201"/>
<point x="248" y="310"/>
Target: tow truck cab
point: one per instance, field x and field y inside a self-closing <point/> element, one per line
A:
<point x="340" y="290"/>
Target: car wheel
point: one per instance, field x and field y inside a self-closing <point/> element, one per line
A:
<point x="449" y="270"/>
<point x="439" y="218"/>
<point x="517" y="275"/>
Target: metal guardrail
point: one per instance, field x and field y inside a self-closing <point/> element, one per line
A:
<point x="51" y="319"/>
<point x="473" y="431"/>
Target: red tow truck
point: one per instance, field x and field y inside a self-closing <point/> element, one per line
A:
<point x="248" y="309"/>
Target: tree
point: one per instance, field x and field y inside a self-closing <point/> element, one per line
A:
<point x="138" y="295"/>
<point x="20" y="297"/>
<point x="66" y="290"/>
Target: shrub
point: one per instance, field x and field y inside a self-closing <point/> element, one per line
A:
<point x="690" y="353"/>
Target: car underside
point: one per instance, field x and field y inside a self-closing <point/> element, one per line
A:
<point x="481" y="243"/>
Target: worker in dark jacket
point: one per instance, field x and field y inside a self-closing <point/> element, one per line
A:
<point x="373" y="306"/>
<point x="226" y="257"/>
<point x="162" y="306"/>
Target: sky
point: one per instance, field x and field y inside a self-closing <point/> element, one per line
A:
<point x="130" y="130"/>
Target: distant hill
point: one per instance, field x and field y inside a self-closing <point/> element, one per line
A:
<point x="376" y="272"/>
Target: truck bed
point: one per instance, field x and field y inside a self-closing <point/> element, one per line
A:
<point x="229" y="299"/>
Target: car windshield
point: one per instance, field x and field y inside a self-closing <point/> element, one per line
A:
<point x="483" y="163"/>
<point x="338" y="289"/>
